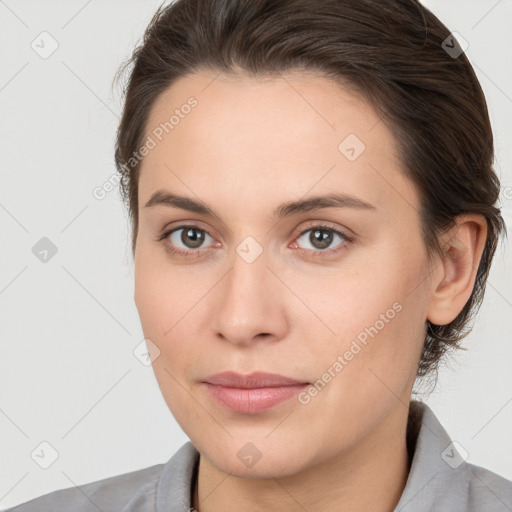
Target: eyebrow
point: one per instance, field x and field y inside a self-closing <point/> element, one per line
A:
<point x="165" y="198"/>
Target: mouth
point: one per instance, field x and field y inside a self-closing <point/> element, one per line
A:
<point x="253" y="393"/>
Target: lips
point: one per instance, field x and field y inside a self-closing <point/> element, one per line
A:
<point x="253" y="393"/>
<point x="253" y="380"/>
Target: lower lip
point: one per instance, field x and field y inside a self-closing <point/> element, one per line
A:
<point x="253" y="400"/>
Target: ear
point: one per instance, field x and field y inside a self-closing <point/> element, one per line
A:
<point x="462" y="248"/>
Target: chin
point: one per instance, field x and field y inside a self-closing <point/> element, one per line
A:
<point x="257" y="458"/>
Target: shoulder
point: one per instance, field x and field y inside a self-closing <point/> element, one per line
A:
<point x="487" y="490"/>
<point x="130" y="491"/>
<point x="163" y="486"/>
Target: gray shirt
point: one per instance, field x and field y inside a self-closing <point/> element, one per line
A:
<point x="439" y="480"/>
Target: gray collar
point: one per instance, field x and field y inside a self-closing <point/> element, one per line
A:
<point x="438" y="474"/>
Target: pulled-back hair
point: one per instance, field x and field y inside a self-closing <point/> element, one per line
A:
<point x="395" y="53"/>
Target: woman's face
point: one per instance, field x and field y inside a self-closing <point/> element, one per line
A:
<point x="261" y="287"/>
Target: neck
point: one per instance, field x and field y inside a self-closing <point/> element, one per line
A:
<point x="370" y="476"/>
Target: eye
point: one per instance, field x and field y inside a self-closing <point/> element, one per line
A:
<point x="185" y="240"/>
<point x="321" y="237"/>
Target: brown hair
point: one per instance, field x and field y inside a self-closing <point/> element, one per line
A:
<point x="396" y="53"/>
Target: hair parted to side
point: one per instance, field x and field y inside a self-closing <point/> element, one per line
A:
<point x="388" y="51"/>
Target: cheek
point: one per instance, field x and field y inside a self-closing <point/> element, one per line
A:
<point x="160" y="294"/>
<point x="376" y="313"/>
<point x="164" y="301"/>
<point x="371" y="363"/>
<point x="156" y="298"/>
<point x="350" y="301"/>
<point x="169" y="301"/>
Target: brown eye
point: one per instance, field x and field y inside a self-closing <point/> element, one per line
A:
<point x="185" y="239"/>
<point x="321" y="239"/>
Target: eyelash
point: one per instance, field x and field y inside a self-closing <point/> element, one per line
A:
<point x="318" y="252"/>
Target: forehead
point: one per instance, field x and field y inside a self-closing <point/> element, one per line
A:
<point x="288" y="133"/>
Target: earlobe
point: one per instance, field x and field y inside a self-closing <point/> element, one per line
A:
<point x="462" y="247"/>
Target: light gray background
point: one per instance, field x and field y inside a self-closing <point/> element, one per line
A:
<point x="69" y="326"/>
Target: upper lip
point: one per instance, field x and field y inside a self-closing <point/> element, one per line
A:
<point x="252" y="380"/>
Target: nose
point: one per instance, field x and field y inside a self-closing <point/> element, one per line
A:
<point x="250" y="303"/>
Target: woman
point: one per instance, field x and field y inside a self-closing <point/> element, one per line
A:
<point x="312" y="200"/>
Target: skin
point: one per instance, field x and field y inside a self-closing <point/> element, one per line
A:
<point x="247" y="147"/>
